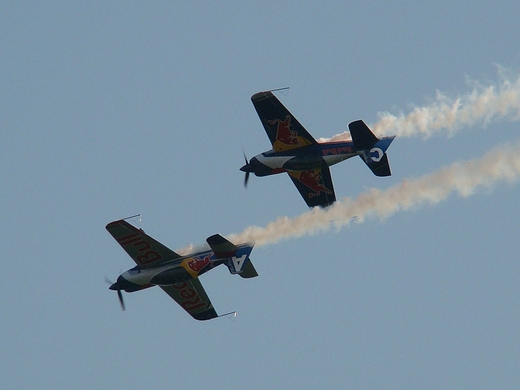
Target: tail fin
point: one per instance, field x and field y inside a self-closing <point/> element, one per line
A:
<point x="248" y="270"/>
<point x="238" y="261"/>
<point x="372" y="149"/>
<point x="241" y="264"/>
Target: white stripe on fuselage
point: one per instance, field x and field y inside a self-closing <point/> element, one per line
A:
<point x="275" y="162"/>
<point x="337" y="158"/>
<point x="143" y="276"/>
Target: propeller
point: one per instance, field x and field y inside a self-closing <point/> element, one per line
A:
<point x="117" y="287"/>
<point x="248" y="168"/>
<point x="246" y="179"/>
<point x="120" y="295"/>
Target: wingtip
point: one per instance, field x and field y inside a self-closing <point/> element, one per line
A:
<point x="113" y="223"/>
<point x="121" y="224"/>
<point x="205" y="315"/>
<point x="261" y="95"/>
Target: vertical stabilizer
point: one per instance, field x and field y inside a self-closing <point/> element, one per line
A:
<point x="372" y="149"/>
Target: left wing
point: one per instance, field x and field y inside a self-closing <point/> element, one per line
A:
<point x="142" y="248"/>
<point x="193" y="298"/>
<point x="315" y="186"/>
<point x="282" y="128"/>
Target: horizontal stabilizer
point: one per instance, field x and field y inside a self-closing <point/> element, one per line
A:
<point x="221" y="247"/>
<point x="361" y="135"/>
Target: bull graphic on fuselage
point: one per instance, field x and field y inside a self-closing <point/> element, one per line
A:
<point x="196" y="264"/>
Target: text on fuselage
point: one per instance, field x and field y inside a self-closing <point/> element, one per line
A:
<point x="337" y="150"/>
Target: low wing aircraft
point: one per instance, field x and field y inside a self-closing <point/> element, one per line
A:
<point x="176" y="275"/>
<point x="306" y="161"/>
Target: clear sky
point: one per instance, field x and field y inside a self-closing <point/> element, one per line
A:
<point x="111" y="109"/>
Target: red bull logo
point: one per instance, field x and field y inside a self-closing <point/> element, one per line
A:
<point x="197" y="263"/>
<point x="284" y="133"/>
<point x="313" y="180"/>
<point x="190" y="299"/>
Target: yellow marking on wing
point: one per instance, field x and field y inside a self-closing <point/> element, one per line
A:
<point x="281" y="147"/>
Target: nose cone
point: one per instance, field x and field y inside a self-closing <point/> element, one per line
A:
<point x="120" y="284"/>
<point x="247" y="168"/>
<point x="250" y="166"/>
<point x="115" y="286"/>
<point x="125" y="285"/>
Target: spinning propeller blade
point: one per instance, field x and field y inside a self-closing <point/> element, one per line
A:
<point x="120" y="295"/>
<point x="246" y="179"/>
<point x="115" y="286"/>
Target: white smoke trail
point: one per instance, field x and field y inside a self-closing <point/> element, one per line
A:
<point x="502" y="163"/>
<point x="480" y="106"/>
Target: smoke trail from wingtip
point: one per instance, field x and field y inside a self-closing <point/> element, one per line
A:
<point x="462" y="178"/>
<point x="480" y="106"/>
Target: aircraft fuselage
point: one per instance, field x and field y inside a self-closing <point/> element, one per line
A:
<point x="176" y="271"/>
<point x="309" y="157"/>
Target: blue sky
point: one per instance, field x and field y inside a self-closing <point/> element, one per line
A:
<point x="108" y="110"/>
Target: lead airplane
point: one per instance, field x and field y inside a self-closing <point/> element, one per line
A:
<point x="306" y="161"/>
<point x="176" y="275"/>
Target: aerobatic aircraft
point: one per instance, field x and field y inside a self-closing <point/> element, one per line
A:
<point x="177" y="275"/>
<point x="306" y="161"/>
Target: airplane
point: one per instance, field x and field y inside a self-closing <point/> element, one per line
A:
<point x="306" y="161"/>
<point x="176" y="275"/>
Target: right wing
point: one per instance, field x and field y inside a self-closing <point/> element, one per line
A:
<point x="142" y="248"/>
<point x="282" y="128"/>
<point x="315" y="186"/>
<point x="193" y="298"/>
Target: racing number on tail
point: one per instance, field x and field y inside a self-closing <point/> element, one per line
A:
<point x="238" y="262"/>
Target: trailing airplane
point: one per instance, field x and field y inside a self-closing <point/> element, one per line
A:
<point x="177" y="275"/>
<point x="306" y="161"/>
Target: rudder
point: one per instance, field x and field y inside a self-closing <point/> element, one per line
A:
<point x="372" y="149"/>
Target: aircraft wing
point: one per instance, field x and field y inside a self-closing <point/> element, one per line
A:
<point x="193" y="298"/>
<point x="142" y="248"/>
<point x="282" y="128"/>
<point x="315" y="186"/>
